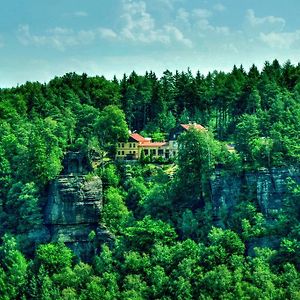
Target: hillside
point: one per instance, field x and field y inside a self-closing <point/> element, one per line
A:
<point x="207" y="223"/>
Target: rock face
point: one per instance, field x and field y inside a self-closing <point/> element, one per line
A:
<point x="74" y="200"/>
<point x="268" y="187"/>
<point x="74" y="207"/>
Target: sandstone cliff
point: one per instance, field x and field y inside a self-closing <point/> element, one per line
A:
<point x="74" y="206"/>
<point x="267" y="186"/>
<point x="73" y="211"/>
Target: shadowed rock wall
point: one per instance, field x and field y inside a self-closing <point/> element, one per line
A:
<point x="268" y="187"/>
<point x="74" y="208"/>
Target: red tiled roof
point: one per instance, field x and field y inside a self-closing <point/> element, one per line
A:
<point x="138" y="138"/>
<point x="153" y="144"/>
<point x="196" y="126"/>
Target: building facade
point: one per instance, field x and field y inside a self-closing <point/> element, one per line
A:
<point x="136" y="144"/>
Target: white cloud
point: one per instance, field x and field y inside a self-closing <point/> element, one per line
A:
<point x="165" y="4"/>
<point x="183" y="15"/>
<point x="198" y="22"/>
<point x="61" y="38"/>
<point x="140" y="26"/>
<point x="107" y="33"/>
<point x="204" y="26"/>
<point x="282" y="40"/>
<point x="178" y="36"/>
<point x="270" y="31"/>
<point x="58" y="37"/>
<point x="202" y="13"/>
<point x="137" y="17"/>
<point x="219" y="7"/>
<point x="268" y="23"/>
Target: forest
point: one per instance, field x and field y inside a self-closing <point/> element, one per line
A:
<point x="166" y="241"/>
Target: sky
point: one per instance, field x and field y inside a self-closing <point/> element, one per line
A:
<point x="41" y="39"/>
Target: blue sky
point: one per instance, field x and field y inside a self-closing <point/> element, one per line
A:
<point x="40" y="39"/>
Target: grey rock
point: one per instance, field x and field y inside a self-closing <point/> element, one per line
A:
<point x="73" y="211"/>
<point x="74" y="207"/>
<point x="74" y="200"/>
<point x="267" y="186"/>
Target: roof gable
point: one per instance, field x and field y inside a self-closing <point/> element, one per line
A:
<point x="195" y="125"/>
<point x="137" y="137"/>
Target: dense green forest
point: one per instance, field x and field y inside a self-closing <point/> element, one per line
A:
<point x="166" y="244"/>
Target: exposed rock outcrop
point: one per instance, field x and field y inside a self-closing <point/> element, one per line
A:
<point x="74" y="206"/>
<point x="267" y="186"/>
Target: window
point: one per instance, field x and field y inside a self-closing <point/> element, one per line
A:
<point x="160" y="152"/>
<point x="122" y="145"/>
<point x="122" y="152"/>
<point x="129" y="152"/>
<point x="153" y="151"/>
<point x="134" y="145"/>
<point x="119" y="152"/>
<point x="133" y="152"/>
<point x="146" y="152"/>
<point x="130" y="145"/>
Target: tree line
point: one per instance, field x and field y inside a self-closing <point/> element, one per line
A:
<point x="166" y="245"/>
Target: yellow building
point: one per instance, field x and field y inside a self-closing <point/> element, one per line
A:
<point x="132" y="149"/>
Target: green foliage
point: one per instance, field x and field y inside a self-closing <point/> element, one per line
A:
<point x="110" y="176"/>
<point x="158" y="137"/>
<point x="145" y="233"/>
<point x="196" y="159"/>
<point x="111" y="126"/>
<point x="157" y="202"/>
<point x="246" y="132"/>
<point x="247" y="221"/>
<point x="169" y="249"/>
<point x="54" y="257"/>
<point x="23" y="211"/>
<point x="13" y="269"/>
<point x="104" y="262"/>
<point x="136" y="192"/>
<point x="226" y="239"/>
<point x="115" y="213"/>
